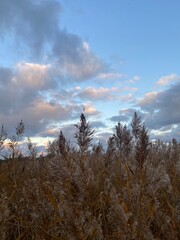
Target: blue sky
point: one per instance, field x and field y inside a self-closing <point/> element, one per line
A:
<point x="109" y="57"/>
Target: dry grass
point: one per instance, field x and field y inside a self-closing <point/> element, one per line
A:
<point x="93" y="195"/>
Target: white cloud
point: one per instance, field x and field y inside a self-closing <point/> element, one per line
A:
<point x="86" y="46"/>
<point x="165" y="80"/>
<point x="167" y="133"/>
<point x="131" y="89"/>
<point x="110" y="75"/>
<point x="134" y="79"/>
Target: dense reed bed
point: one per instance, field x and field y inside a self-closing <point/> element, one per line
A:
<point x="129" y="191"/>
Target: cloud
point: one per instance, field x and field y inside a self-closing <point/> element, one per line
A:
<point x="97" y="124"/>
<point x="90" y="110"/>
<point x="75" y="58"/>
<point x="165" y="80"/>
<point x="126" y="115"/>
<point x="33" y="76"/>
<point x="24" y="95"/>
<point x="167" y="133"/>
<point x="119" y="118"/>
<point x="127" y="98"/>
<point x="5" y="77"/>
<point x="28" y="92"/>
<point x="34" y="22"/>
<point x="146" y="101"/>
<point x="110" y="75"/>
<point x="163" y="107"/>
<point x="104" y="94"/>
<point x="133" y="80"/>
<point x="69" y="132"/>
<point x="38" y="116"/>
<point x="34" y="28"/>
<point x="39" y="87"/>
<point x="88" y="68"/>
<point x="50" y="58"/>
<point x="22" y="84"/>
<point x="103" y="137"/>
<point x="8" y="94"/>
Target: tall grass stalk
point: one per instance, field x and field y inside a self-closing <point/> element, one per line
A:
<point x="92" y="193"/>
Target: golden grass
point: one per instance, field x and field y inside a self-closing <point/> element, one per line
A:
<point x="93" y="195"/>
<point x="85" y="198"/>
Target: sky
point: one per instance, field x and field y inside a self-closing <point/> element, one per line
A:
<point x="108" y="58"/>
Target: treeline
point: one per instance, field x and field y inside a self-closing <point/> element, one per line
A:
<point x="130" y="190"/>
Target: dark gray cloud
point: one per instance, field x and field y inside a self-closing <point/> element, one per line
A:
<point x="164" y="108"/>
<point x="69" y="131"/>
<point x="126" y="115"/>
<point x="5" y="77"/>
<point x="167" y="133"/>
<point x="97" y="124"/>
<point x="35" y="22"/>
<point x="53" y="129"/>
<point x="157" y="109"/>
<point x="119" y="118"/>
<point x="39" y="117"/>
<point x="103" y="138"/>
<point x="67" y="47"/>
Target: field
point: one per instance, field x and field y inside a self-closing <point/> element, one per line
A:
<point x="131" y="190"/>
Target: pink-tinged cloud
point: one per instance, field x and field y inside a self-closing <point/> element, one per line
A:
<point x="165" y="80"/>
<point x="47" y="111"/>
<point x="104" y="94"/>
<point x="32" y="76"/>
<point x="148" y="98"/>
<point x="90" y="110"/>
